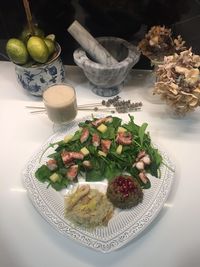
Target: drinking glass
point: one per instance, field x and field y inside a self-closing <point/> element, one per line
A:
<point x="61" y="105"/>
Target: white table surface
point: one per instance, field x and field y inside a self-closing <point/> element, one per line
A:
<point x="27" y="240"/>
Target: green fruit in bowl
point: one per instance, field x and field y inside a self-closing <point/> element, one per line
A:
<point x="51" y="37"/>
<point x="51" y="45"/>
<point x="38" y="49"/>
<point x="26" y="34"/>
<point x="17" y="51"/>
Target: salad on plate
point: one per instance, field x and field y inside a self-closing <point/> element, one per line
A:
<point x="102" y="148"/>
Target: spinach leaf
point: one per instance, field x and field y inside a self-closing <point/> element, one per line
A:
<point x="97" y="172"/>
<point x="43" y="173"/>
<point x="111" y="170"/>
<point x="109" y="133"/>
<point x="94" y="175"/>
<point x="60" y="184"/>
<point x="147" y="185"/>
<point x="155" y="156"/>
<point x="153" y="169"/>
<point x="62" y="171"/>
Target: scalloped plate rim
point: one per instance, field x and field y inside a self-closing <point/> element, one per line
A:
<point x="79" y="235"/>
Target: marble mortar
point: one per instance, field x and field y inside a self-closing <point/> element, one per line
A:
<point x="108" y="80"/>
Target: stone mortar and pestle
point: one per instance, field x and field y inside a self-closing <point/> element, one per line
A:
<point x="105" y="61"/>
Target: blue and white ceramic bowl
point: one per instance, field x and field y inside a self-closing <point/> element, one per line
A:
<point x="37" y="78"/>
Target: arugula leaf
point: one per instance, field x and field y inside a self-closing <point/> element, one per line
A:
<point x="116" y="122"/>
<point x="158" y="157"/>
<point x="141" y="132"/>
<point x="92" y="130"/>
<point x="57" y="157"/>
<point x="92" y="149"/>
<point x="49" y="146"/>
<point x="116" y="156"/>
<point x="131" y="118"/>
<point x="76" y="136"/>
<point x="84" y="123"/>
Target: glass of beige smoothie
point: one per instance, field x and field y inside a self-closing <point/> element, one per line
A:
<point x="60" y="103"/>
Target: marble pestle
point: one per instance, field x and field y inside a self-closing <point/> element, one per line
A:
<point x="91" y="45"/>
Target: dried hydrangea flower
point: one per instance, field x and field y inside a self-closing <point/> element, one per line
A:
<point x="178" y="81"/>
<point x="158" y="42"/>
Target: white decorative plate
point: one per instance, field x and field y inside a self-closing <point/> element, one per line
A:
<point x="122" y="228"/>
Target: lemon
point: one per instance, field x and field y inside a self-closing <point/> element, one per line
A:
<point x="50" y="44"/>
<point x="37" y="49"/>
<point x="26" y="34"/>
<point x="16" y="51"/>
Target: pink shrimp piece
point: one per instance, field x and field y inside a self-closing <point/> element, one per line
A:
<point x="97" y="122"/>
<point x="95" y="140"/>
<point x="66" y="157"/>
<point x="105" y="145"/>
<point x="52" y="164"/>
<point x="143" y="177"/>
<point x="108" y="119"/>
<point x="84" y="135"/>
<point x="124" y="138"/>
<point x="72" y="172"/>
<point x="140" y="155"/>
<point x="76" y="155"/>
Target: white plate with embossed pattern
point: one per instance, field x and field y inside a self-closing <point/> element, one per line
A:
<point x="124" y="226"/>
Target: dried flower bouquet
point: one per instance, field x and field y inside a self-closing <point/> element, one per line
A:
<point x="178" y="81"/>
<point x="158" y="42"/>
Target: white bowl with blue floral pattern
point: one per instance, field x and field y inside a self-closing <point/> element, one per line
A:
<point x="36" y="78"/>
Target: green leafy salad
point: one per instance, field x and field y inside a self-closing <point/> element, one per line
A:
<point x="102" y="148"/>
